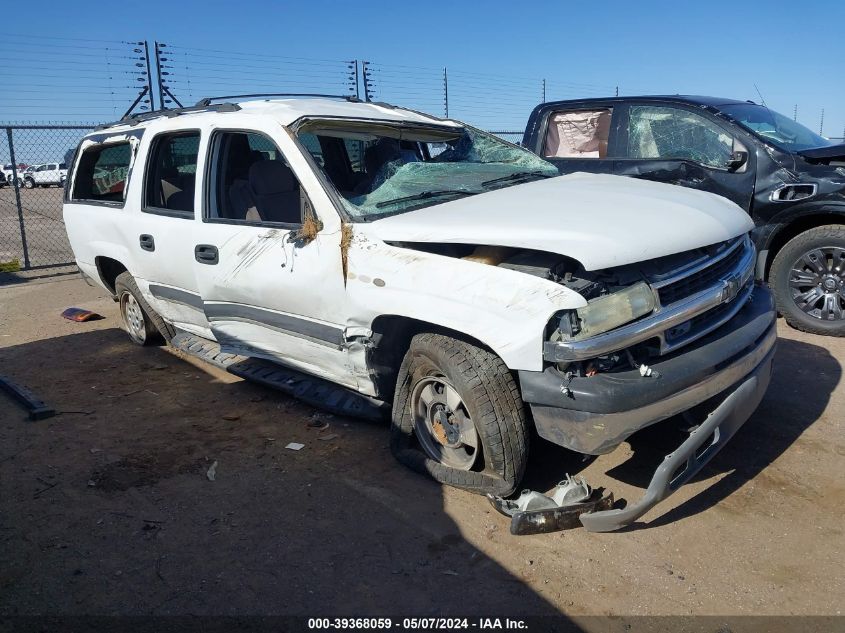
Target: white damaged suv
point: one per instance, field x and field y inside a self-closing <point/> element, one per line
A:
<point x="434" y="271"/>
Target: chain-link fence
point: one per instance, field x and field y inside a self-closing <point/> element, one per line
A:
<point x="33" y="159"/>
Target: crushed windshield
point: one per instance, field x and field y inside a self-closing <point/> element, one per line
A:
<point x="382" y="169"/>
<point x="779" y="130"/>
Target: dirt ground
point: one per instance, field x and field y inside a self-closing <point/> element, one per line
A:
<point x="107" y="508"/>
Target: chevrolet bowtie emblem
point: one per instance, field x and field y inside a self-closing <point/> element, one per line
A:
<point x="730" y="288"/>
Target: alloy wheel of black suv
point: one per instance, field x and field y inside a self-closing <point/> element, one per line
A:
<point x="808" y="280"/>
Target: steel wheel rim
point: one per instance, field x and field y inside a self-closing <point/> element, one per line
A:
<point x="133" y="317"/>
<point x="442" y="423"/>
<point x="817" y="283"/>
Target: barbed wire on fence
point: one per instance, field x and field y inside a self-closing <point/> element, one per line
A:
<point x="50" y="77"/>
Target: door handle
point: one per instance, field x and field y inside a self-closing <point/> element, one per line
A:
<point x="147" y="242"/>
<point x="206" y="254"/>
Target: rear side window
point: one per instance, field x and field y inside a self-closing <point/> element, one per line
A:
<point x="578" y="134"/>
<point x="172" y="174"/>
<point x="102" y="173"/>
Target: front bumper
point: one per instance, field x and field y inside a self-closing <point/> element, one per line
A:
<point x="593" y="415"/>
<point x="734" y="364"/>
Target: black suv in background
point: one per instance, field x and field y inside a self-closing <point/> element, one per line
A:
<point x="790" y="180"/>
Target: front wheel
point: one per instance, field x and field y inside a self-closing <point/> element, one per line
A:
<point x="135" y="312"/>
<point x="808" y="280"/>
<point x="29" y="183"/>
<point x="458" y="416"/>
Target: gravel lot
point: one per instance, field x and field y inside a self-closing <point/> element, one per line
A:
<point x="107" y="508"/>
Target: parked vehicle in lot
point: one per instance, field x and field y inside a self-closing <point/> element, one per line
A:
<point x="422" y="263"/>
<point x="789" y="179"/>
<point x="10" y="173"/>
<point x="45" y="175"/>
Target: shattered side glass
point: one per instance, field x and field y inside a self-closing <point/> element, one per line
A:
<point x="428" y="172"/>
<point x="675" y="133"/>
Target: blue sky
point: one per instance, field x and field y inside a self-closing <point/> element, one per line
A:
<point x="496" y="52"/>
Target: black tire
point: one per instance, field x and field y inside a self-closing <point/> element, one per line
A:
<point x="29" y="183"/>
<point x="820" y="316"/>
<point x="155" y="329"/>
<point x="489" y="395"/>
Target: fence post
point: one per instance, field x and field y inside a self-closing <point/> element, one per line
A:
<point x="355" y="79"/>
<point x="366" y="76"/>
<point x="446" y="92"/>
<point x="150" y="77"/>
<point x="18" y="197"/>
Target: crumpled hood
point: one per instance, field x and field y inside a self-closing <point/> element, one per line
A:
<point x="824" y="154"/>
<point x="599" y="220"/>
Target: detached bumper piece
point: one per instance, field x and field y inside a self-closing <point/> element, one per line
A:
<point x="33" y="404"/>
<point x="683" y="464"/>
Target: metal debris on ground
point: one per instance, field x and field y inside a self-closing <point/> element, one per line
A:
<point x="327" y="437"/>
<point x="36" y="407"/>
<point x="212" y="471"/>
<point x="80" y="315"/>
<point x="537" y="513"/>
<point x="295" y="446"/>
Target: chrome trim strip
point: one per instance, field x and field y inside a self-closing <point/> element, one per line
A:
<point x="662" y="320"/>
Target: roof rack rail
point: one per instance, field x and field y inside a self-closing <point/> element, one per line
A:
<point x="205" y="102"/>
<point x="140" y="117"/>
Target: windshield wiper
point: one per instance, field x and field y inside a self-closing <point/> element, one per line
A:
<point x="424" y="195"/>
<point x="517" y="176"/>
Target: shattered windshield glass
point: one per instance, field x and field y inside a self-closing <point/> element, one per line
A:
<point x="382" y="169"/>
<point x="779" y="130"/>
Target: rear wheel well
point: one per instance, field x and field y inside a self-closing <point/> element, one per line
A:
<point x="109" y="269"/>
<point x="392" y="336"/>
<point x="795" y="228"/>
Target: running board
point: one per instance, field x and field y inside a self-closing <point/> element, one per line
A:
<point x="315" y="391"/>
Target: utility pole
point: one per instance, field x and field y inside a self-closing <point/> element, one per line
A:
<point x="617" y="91"/>
<point x="795" y="113"/>
<point x="544" y="91"/>
<point x="821" y="124"/>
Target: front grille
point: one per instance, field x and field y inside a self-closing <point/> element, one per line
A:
<point x="702" y="279"/>
<point x="708" y="320"/>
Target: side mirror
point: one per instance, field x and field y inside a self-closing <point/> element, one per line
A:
<point x="737" y="160"/>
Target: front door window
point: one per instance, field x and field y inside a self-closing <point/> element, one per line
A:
<point x="666" y="133"/>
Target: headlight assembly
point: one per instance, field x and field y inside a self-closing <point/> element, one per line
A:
<point x="608" y="312"/>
